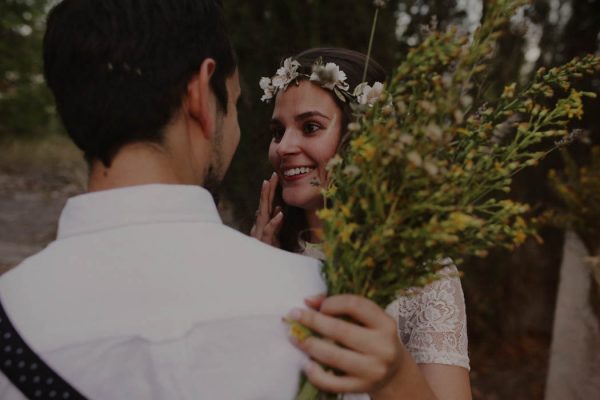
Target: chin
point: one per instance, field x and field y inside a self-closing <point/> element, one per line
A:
<point x="306" y="199"/>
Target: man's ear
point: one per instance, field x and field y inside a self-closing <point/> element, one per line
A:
<point x="201" y="100"/>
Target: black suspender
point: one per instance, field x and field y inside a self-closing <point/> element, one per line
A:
<point x="26" y="370"/>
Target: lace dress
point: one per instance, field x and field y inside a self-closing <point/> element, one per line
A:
<point x="432" y="321"/>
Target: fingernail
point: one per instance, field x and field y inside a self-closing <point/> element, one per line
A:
<point x="265" y="183"/>
<point x="279" y="215"/>
<point x="308" y="367"/>
<point x="295" y="314"/>
<point x="274" y="175"/>
<point x="314" y="298"/>
<point x="293" y="339"/>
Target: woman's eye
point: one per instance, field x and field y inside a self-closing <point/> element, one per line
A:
<point x="311" y="127"/>
<point x="277" y="133"/>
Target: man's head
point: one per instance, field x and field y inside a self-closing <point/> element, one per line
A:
<point x="120" y="70"/>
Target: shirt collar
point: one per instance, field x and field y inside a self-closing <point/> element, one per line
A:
<point x="136" y="205"/>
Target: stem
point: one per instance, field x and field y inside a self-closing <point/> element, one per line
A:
<point x="364" y="78"/>
<point x="307" y="392"/>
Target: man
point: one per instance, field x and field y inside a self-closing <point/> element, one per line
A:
<point x="145" y="294"/>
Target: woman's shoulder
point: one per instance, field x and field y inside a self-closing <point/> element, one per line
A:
<point x="446" y="289"/>
<point x="432" y="320"/>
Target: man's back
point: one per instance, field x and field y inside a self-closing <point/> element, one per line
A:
<point x="146" y="294"/>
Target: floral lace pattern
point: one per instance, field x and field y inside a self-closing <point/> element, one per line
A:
<point x="432" y="321"/>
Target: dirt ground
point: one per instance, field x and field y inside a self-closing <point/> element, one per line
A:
<point x="36" y="179"/>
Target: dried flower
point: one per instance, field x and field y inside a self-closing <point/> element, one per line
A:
<point x="286" y="74"/>
<point x="329" y="76"/>
<point x="367" y="95"/>
<point x="268" y="88"/>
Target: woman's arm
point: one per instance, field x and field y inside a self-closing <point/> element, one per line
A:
<point x="432" y="324"/>
<point x="448" y="382"/>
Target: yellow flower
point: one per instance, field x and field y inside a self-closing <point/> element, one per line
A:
<point x="509" y="91"/>
<point x="325" y="213"/>
<point x="370" y="263"/>
<point x="368" y="151"/>
<point x="388" y="232"/>
<point x="345" y="211"/>
<point x="298" y="331"/>
<point x="358" y="142"/>
<point x="347" y="232"/>
<point x="520" y="222"/>
<point x="520" y="237"/>
<point x="331" y="191"/>
<point x="462" y="221"/>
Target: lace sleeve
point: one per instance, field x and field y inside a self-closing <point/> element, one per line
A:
<point x="432" y="321"/>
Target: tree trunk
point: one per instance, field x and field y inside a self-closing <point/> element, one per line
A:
<point x="574" y="371"/>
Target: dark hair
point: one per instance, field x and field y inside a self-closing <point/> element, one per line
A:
<point x="295" y="227"/>
<point x="119" y="69"/>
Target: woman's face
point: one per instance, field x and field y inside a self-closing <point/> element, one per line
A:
<point x="306" y="127"/>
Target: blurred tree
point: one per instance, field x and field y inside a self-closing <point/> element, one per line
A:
<point x="25" y="103"/>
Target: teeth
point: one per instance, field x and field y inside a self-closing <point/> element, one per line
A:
<point x="297" y="171"/>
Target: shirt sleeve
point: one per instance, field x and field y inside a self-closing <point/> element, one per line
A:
<point x="432" y="321"/>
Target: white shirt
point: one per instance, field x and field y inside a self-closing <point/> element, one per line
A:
<point x="145" y="294"/>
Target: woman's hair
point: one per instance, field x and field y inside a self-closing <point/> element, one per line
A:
<point x="352" y="63"/>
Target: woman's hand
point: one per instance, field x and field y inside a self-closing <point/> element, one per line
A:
<point x="367" y="351"/>
<point x="269" y="219"/>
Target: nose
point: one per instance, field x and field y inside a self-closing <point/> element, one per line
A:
<point x="289" y="143"/>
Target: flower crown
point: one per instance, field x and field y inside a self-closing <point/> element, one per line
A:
<point x="328" y="75"/>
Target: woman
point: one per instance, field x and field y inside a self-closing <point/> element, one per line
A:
<point x="313" y="94"/>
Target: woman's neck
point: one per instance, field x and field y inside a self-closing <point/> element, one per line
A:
<point x="315" y="226"/>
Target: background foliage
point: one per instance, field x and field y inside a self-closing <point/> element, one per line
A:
<point x="510" y="296"/>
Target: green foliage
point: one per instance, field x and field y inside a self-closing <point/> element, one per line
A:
<point x="25" y="103"/>
<point x="427" y="169"/>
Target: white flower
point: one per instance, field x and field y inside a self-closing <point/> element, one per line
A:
<point x="415" y="158"/>
<point x="329" y="76"/>
<point x="268" y="88"/>
<point x="352" y="171"/>
<point x="367" y="95"/>
<point x="287" y="73"/>
<point x="431" y="168"/>
<point x="279" y="82"/>
<point x="379" y="3"/>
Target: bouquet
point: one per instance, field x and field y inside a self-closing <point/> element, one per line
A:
<point x="426" y="169"/>
<point x="428" y="166"/>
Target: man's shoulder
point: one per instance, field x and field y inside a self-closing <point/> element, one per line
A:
<point x="252" y="248"/>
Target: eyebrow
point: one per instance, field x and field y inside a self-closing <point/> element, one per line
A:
<point x="305" y="115"/>
<point x="310" y="114"/>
